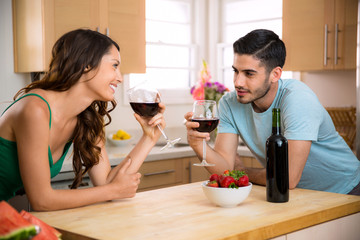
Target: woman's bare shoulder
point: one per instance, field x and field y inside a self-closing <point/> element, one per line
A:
<point x="33" y="104"/>
<point x="30" y="109"/>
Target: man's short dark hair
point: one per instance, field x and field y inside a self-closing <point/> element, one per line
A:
<point x="264" y="45"/>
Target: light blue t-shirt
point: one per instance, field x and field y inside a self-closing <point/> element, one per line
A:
<point x="331" y="165"/>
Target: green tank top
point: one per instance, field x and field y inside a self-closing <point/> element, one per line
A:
<point x="10" y="179"/>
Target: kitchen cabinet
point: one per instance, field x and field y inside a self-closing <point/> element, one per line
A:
<point x="194" y="173"/>
<point x="170" y="172"/>
<point x="38" y="24"/>
<point x="320" y="35"/>
<point x="159" y="174"/>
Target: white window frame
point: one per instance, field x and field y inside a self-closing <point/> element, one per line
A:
<point x="179" y="96"/>
<point x="222" y="45"/>
<point x="182" y="96"/>
<point x="220" y="63"/>
<point x="207" y="43"/>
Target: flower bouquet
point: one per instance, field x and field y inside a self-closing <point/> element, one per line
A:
<point x="205" y="89"/>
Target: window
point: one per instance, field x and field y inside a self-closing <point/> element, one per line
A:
<point x="170" y="52"/>
<point x="240" y="17"/>
<point x="179" y="33"/>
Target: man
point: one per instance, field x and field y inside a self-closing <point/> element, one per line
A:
<point x="319" y="158"/>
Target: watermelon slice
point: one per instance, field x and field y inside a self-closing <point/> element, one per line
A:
<point x="13" y="225"/>
<point x="46" y="231"/>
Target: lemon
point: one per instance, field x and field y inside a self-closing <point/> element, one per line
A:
<point x="121" y="135"/>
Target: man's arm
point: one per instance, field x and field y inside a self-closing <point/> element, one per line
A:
<point x="298" y="153"/>
<point x="256" y="175"/>
<point x="222" y="155"/>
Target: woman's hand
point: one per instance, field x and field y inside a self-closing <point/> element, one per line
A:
<point x="126" y="184"/>
<point x="148" y="125"/>
<point x="194" y="137"/>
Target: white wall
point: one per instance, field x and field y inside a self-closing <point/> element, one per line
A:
<point x="10" y="82"/>
<point x="333" y="88"/>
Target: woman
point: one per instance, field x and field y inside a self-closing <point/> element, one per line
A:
<point x="68" y="106"/>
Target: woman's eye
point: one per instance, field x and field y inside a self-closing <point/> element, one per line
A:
<point x="115" y="65"/>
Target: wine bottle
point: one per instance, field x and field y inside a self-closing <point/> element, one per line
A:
<point x="277" y="169"/>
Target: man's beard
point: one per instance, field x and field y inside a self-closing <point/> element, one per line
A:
<point x="258" y="94"/>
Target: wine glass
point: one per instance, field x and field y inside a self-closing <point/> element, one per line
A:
<point x="205" y="112"/>
<point x="144" y="100"/>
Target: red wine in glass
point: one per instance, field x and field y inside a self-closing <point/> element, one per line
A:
<point x="144" y="100"/>
<point x="145" y="109"/>
<point x="206" y="125"/>
<point x="206" y="114"/>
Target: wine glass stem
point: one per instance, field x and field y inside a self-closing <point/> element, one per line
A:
<point x="163" y="133"/>
<point x="204" y="150"/>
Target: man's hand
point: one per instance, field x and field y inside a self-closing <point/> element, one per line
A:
<point x="194" y="137"/>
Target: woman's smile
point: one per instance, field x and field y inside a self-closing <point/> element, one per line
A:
<point x="113" y="87"/>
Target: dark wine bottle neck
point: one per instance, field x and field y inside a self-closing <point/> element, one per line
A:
<point x="276" y="122"/>
<point x="276" y="130"/>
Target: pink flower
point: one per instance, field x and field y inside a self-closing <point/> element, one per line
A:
<point x="205" y="89"/>
<point x="198" y="93"/>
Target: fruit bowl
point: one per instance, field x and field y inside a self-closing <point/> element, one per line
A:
<point x="226" y="197"/>
<point x="117" y="141"/>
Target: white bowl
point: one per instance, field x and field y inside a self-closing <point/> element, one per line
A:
<point x="226" y="197"/>
<point x="118" y="142"/>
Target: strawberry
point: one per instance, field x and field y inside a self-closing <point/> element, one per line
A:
<point x="214" y="177"/>
<point x="212" y="184"/>
<point x="221" y="177"/>
<point x="227" y="181"/>
<point x="243" y="181"/>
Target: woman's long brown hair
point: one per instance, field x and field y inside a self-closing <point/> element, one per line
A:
<point x="75" y="53"/>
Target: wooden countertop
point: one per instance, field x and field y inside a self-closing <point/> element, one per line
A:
<point x="183" y="212"/>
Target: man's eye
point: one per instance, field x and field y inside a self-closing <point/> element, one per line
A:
<point x="115" y="65"/>
<point x="249" y="74"/>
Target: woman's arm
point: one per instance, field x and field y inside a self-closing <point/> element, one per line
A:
<point x="151" y="135"/>
<point x="32" y="134"/>
<point x="102" y="173"/>
<point x="31" y="130"/>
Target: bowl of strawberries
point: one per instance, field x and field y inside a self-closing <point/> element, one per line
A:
<point x="228" y="189"/>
